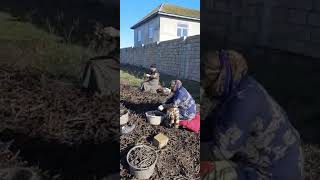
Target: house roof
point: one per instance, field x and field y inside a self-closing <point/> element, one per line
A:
<point x="170" y="10"/>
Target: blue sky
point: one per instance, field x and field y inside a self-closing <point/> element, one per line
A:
<point x="131" y="11"/>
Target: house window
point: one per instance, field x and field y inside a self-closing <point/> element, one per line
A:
<point x="182" y="29"/>
<point x="139" y="36"/>
<point x="150" y="32"/>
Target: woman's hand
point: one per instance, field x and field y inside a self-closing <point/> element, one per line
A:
<point x="205" y="167"/>
<point x="160" y="108"/>
<point x="165" y="106"/>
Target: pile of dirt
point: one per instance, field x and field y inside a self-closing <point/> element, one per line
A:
<point x="56" y="126"/>
<point x="142" y="157"/>
<point x="180" y="159"/>
<point x="54" y="110"/>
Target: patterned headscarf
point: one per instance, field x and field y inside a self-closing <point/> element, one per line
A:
<point x="176" y="84"/>
<point x="223" y="72"/>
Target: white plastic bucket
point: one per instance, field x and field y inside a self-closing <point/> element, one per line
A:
<point x="155" y="119"/>
<point x="142" y="173"/>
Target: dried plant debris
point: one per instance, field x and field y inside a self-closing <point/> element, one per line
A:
<point x="180" y="159"/>
<point x="54" y="110"/>
<point x="142" y="157"/>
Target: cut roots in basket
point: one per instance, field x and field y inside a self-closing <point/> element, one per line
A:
<point x="142" y="157"/>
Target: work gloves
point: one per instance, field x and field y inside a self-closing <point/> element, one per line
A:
<point x="161" y="108"/>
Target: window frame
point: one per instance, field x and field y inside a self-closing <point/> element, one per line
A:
<point x="150" y="29"/>
<point x="139" y="38"/>
<point x="183" y="28"/>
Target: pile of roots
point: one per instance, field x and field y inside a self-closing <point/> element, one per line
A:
<point x="142" y="157"/>
<point x="56" y="126"/>
<point x="180" y="159"/>
<point x="37" y="106"/>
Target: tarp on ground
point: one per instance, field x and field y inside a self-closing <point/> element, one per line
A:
<point x="101" y="75"/>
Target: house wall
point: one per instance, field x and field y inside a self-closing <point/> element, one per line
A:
<point x="155" y="22"/>
<point x="168" y="28"/>
<point x="179" y="57"/>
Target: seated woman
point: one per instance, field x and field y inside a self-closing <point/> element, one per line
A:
<point x="182" y="100"/>
<point x="248" y="135"/>
<point x="151" y="84"/>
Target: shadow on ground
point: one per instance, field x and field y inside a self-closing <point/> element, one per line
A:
<point x="140" y="108"/>
<point x="84" y="161"/>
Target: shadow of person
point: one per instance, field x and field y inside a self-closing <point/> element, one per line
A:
<point x="79" y="161"/>
<point x="140" y="108"/>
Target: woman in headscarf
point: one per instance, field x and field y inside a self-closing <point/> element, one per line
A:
<point x="248" y="135"/>
<point x="182" y="100"/>
<point x="151" y="84"/>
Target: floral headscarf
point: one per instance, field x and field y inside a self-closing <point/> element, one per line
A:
<point x="223" y="72"/>
<point x="175" y="84"/>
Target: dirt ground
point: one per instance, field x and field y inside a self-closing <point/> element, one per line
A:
<point x="180" y="159"/>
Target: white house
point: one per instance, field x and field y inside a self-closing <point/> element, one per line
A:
<point x="166" y="22"/>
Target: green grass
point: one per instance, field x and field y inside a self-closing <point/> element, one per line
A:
<point x="130" y="79"/>
<point x="134" y="76"/>
<point x="23" y="44"/>
<point x="12" y="29"/>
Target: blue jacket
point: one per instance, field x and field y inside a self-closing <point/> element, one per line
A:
<point x="185" y="103"/>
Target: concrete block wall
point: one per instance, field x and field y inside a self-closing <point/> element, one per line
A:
<point x="289" y="25"/>
<point x="179" y="57"/>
